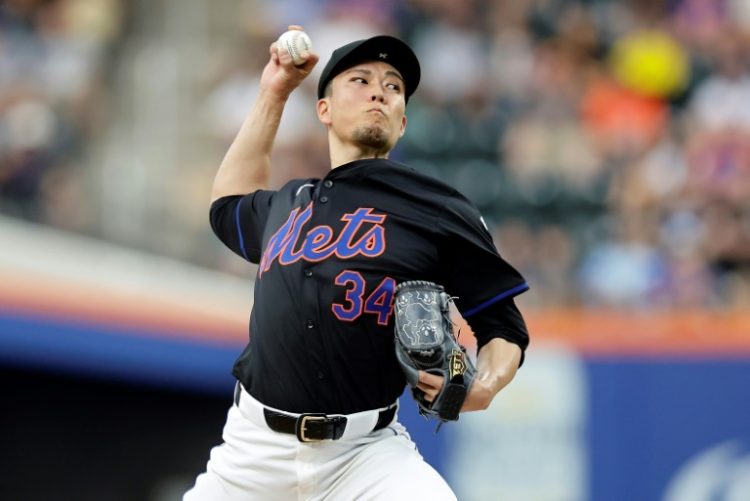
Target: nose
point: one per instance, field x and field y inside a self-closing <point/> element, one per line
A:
<point x="378" y="97"/>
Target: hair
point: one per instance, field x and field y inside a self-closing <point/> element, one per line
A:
<point x="328" y="91"/>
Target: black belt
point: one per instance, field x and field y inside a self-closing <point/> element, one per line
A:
<point x="314" y="427"/>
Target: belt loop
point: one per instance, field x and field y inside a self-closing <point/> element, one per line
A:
<point x="385" y="417"/>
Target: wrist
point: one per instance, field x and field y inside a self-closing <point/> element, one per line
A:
<point x="274" y="95"/>
<point x="479" y="398"/>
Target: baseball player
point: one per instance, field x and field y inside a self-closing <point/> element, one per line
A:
<point x="314" y="415"/>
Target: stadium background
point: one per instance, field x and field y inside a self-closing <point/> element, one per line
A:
<point x="606" y="143"/>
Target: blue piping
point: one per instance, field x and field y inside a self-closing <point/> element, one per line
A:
<point x="239" y="231"/>
<point x="510" y="292"/>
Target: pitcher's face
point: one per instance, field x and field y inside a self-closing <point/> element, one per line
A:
<point x="367" y="106"/>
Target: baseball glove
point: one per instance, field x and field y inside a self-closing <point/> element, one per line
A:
<point x="425" y="341"/>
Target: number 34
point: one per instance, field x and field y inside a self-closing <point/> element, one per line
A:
<point x="379" y="302"/>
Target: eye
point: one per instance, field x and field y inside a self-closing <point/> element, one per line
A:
<point x="359" y="80"/>
<point x="394" y="87"/>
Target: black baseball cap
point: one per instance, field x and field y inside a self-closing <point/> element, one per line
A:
<point x="384" y="48"/>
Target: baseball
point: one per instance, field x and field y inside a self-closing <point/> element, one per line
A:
<point x="295" y="42"/>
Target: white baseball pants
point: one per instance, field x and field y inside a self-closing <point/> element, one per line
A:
<point x="256" y="463"/>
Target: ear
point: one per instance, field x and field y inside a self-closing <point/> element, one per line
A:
<point x="323" y="107"/>
<point x="403" y="127"/>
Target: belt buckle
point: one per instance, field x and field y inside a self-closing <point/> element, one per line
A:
<point x="302" y="426"/>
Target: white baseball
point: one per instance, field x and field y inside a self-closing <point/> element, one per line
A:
<point x="295" y="42"/>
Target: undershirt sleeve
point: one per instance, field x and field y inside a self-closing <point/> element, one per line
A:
<point x="503" y="320"/>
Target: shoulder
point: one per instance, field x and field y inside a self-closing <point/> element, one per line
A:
<point x="293" y="193"/>
<point x="264" y="198"/>
<point x="295" y="186"/>
<point x="457" y="212"/>
<point x="446" y="202"/>
<point x="405" y="175"/>
<point x="399" y="169"/>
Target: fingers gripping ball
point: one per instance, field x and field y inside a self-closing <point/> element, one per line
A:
<point x="295" y="42"/>
<point x="425" y="341"/>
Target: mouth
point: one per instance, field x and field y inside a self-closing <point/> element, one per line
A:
<point x="376" y="110"/>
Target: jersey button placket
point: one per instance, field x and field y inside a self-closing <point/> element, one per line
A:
<point x="312" y="322"/>
<point x="326" y="184"/>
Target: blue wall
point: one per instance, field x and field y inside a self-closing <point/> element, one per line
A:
<point x="649" y="417"/>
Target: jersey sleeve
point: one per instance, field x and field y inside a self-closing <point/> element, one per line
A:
<point x="239" y="221"/>
<point x="472" y="269"/>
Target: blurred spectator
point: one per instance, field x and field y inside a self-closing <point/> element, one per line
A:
<point x="51" y="53"/>
<point x="627" y="269"/>
<point x="452" y="52"/>
<point x="29" y="127"/>
<point x="623" y="123"/>
<point x="723" y="99"/>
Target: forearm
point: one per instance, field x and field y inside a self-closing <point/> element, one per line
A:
<point x="245" y="167"/>
<point x="497" y="363"/>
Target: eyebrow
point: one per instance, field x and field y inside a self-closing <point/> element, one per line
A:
<point x="369" y="72"/>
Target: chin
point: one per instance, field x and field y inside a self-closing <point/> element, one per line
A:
<point x="373" y="136"/>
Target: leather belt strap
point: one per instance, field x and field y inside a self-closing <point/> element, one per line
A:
<point x="316" y="427"/>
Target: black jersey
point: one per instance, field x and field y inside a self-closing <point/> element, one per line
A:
<point x="330" y="253"/>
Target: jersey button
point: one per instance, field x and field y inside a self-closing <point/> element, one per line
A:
<point x="323" y="199"/>
<point x="308" y="273"/>
<point x="321" y="375"/>
<point x="309" y="324"/>
<point x="327" y="183"/>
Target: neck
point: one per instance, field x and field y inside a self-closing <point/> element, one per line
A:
<point x="344" y="153"/>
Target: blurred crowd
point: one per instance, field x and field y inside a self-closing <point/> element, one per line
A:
<point x="607" y="143"/>
<point x="53" y="94"/>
